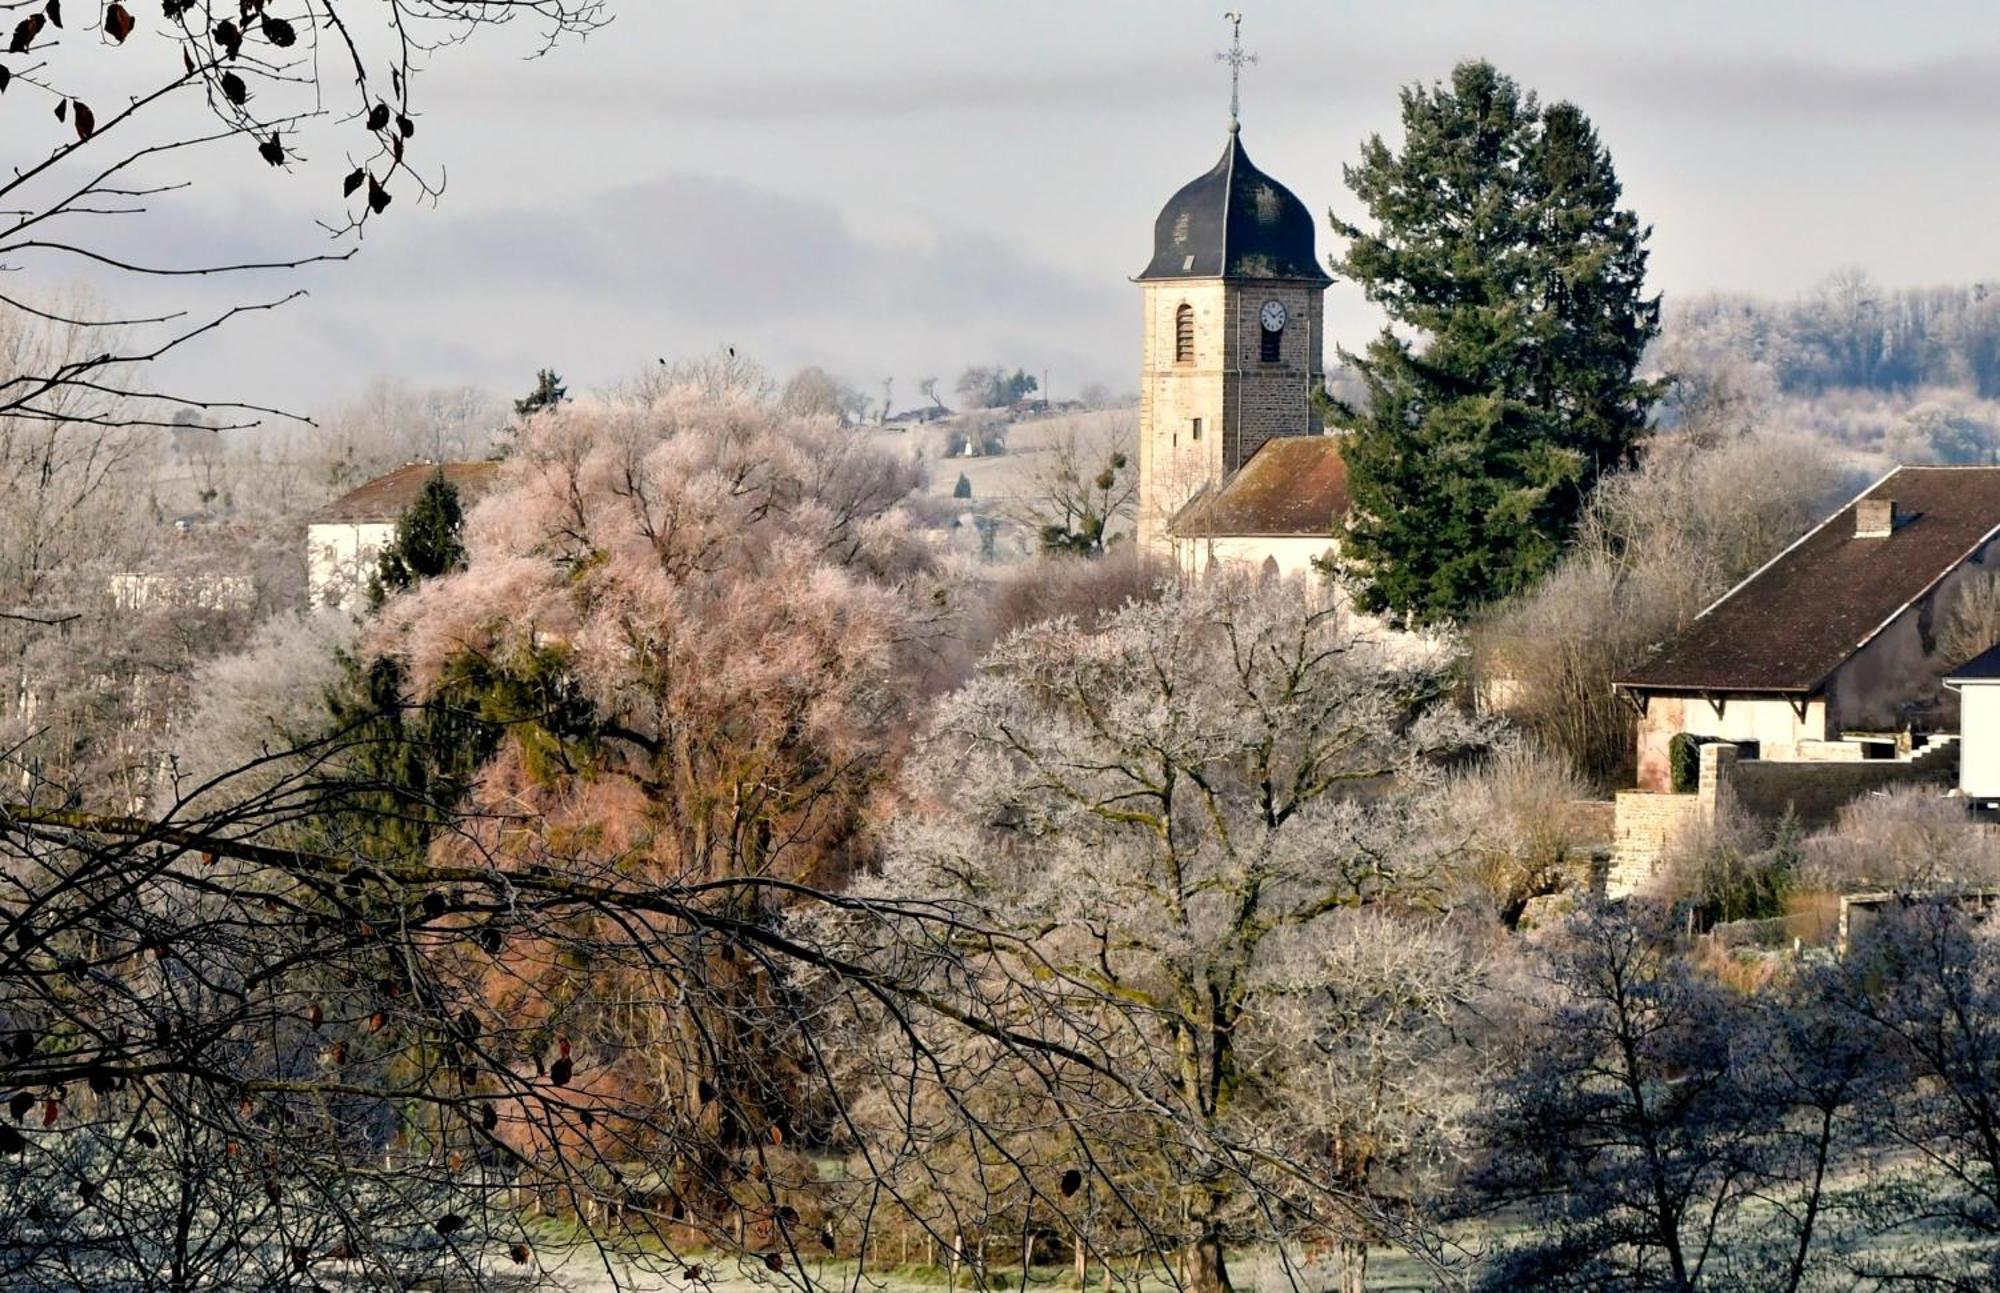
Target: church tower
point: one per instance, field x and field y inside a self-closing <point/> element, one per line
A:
<point x="1233" y="332"/>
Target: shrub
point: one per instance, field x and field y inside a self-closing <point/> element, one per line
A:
<point x="1735" y="870"/>
<point x="1684" y="762"/>
<point x="1517" y="809"/>
<point x="1905" y="838"/>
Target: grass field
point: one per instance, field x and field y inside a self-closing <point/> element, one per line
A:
<point x="1388" y="1272"/>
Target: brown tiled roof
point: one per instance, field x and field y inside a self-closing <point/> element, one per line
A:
<point x="1292" y="485"/>
<point x="1791" y="624"/>
<point x="387" y="497"/>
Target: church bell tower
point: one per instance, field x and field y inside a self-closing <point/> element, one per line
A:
<point x="1234" y="332"/>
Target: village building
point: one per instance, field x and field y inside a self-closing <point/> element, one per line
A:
<point x="1232" y="363"/>
<point x="1829" y="652"/>
<point x="1977" y="686"/>
<point x="345" y="537"/>
<point x="1276" y="512"/>
<point x="1821" y="677"/>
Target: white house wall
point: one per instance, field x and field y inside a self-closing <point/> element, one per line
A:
<point x="1293" y="554"/>
<point x="1979" y="740"/>
<point x="1771" y="722"/>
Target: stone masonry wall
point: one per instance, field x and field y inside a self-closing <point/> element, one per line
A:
<point x="1646" y="823"/>
<point x="1813" y="791"/>
<point x="1240" y="400"/>
<point x="1173" y="464"/>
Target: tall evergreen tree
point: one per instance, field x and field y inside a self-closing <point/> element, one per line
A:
<point x="405" y="764"/>
<point x="427" y="541"/>
<point x="1517" y="281"/>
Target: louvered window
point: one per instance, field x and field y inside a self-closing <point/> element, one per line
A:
<point x="1184" y="334"/>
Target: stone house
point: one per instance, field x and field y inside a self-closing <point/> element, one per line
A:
<point x="1829" y="652"/>
<point x="344" y="538"/>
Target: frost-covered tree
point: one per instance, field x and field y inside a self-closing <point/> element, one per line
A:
<point x="1662" y="1132"/>
<point x="814" y="392"/>
<point x="1210" y="825"/>
<point x="1921" y="993"/>
<point x="698" y="626"/>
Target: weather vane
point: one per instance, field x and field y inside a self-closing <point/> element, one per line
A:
<point x="1236" y="58"/>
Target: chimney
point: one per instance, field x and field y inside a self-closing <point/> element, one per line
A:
<point x="1875" y="518"/>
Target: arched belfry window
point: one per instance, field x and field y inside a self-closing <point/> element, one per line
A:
<point x="1184" y="334"/>
<point x="1269" y="345"/>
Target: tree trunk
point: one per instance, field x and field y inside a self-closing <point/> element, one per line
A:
<point x="1353" y="1266"/>
<point x="1082" y="1262"/>
<point x="1207" y="1271"/>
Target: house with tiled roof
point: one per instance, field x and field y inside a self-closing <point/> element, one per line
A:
<point x="344" y="538"/>
<point x="1830" y="651"/>
<point x="1278" y="511"/>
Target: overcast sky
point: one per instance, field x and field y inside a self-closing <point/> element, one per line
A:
<point x="899" y="188"/>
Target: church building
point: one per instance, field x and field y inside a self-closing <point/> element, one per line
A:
<point x="1233" y="465"/>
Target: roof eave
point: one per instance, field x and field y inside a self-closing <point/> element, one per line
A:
<point x="1716" y="689"/>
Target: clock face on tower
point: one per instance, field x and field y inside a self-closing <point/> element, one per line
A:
<point x="1273" y="316"/>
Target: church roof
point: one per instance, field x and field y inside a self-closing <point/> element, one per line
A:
<point x="386" y="498"/>
<point x="1234" y="222"/>
<point x="1790" y="625"/>
<point x="1293" y="485"/>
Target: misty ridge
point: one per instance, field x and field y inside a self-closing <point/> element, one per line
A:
<point x="1880" y="374"/>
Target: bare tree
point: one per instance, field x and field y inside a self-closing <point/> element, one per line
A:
<point x="110" y="109"/>
<point x="1642" y="1117"/>
<point x="1919" y="996"/>
<point x="1972" y="627"/>
<point x="392" y="423"/>
<point x="1084" y="486"/>
<point x="814" y="392"/>
<point x="1190" y="815"/>
<point x="236" y="1063"/>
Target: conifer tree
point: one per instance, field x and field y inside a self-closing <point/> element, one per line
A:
<point x="549" y="391"/>
<point x="427" y="541"/>
<point x="406" y="763"/>
<point x="1505" y="386"/>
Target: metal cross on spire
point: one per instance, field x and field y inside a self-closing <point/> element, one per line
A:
<point x="1236" y="58"/>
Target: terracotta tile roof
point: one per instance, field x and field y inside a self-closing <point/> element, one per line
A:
<point x="387" y="497"/>
<point x="1791" y="624"/>
<point x="1292" y="485"/>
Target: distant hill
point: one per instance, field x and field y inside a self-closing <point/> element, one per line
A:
<point x="1848" y="333"/>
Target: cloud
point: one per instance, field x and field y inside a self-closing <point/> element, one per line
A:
<point x="676" y="265"/>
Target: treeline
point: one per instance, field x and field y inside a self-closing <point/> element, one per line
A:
<point x="1849" y="332"/>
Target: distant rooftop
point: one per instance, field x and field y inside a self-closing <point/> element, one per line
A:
<point x="387" y="497"/>
<point x="1294" y="485"/>
<point x="1984" y="667"/>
